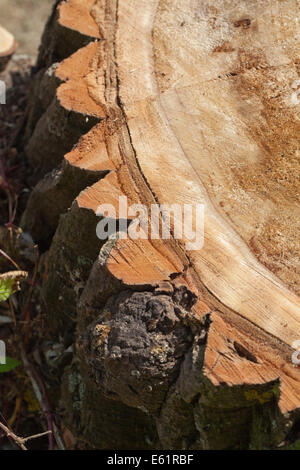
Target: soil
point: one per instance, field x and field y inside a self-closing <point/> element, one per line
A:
<point x="26" y="20"/>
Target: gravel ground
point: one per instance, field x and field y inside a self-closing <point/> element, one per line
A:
<point x="26" y="20"/>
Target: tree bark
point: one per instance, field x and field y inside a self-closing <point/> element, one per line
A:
<point x="173" y="348"/>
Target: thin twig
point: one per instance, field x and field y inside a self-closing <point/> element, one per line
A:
<point x="41" y="396"/>
<point x="13" y="417"/>
<point x="10" y="259"/>
<point x="20" y="441"/>
<point x="8" y="190"/>
<point x="26" y="312"/>
<point x="12" y="310"/>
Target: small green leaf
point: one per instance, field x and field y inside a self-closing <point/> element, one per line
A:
<point x="6" y="289"/>
<point x="11" y="364"/>
<point x="9" y="283"/>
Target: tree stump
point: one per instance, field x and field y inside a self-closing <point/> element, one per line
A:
<point x="8" y="47"/>
<point x="168" y="104"/>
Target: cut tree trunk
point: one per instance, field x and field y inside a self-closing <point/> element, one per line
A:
<point x="8" y="47"/>
<point x="171" y="104"/>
